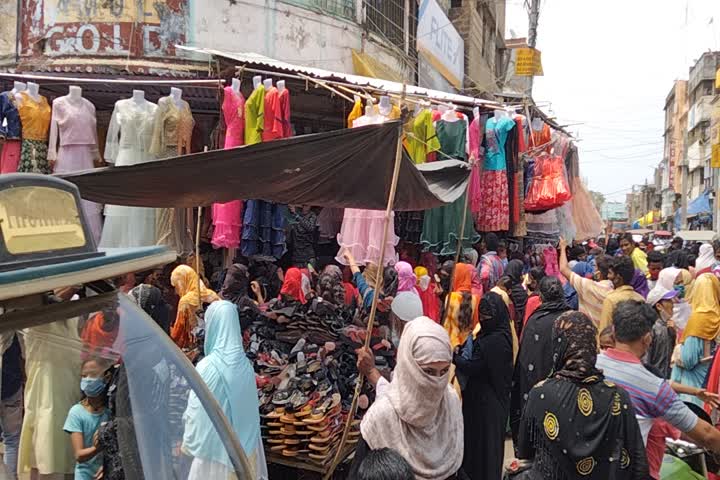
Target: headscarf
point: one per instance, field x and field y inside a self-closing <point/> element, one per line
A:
<point x="518" y="294"/>
<point x="334" y="270"/>
<point x="305" y="282"/>
<point x="236" y="284"/>
<point x="495" y="316"/>
<point x="639" y="283"/>
<point x="150" y="299"/>
<point x="390" y="282"/>
<point x="420" y="416"/>
<point x="575" y="348"/>
<point x="229" y="376"/>
<point x="463" y="278"/>
<point x="331" y="289"/>
<point x="471" y="255"/>
<point x="292" y="285"/>
<point x="667" y="277"/>
<point x="706" y="259"/>
<point x="370" y="275"/>
<point x="704" y="321"/>
<point x="426" y="289"/>
<point x="423" y="278"/>
<point x="406" y="277"/>
<point x="185" y="281"/>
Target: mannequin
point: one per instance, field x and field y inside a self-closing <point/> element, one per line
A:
<point x="176" y="95"/>
<point x="369" y="111"/>
<point x="281" y="85"/>
<point x="236" y="85"/>
<point x="537" y="123"/>
<point x="75" y="93"/>
<point x="128" y="143"/>
<point x="385" y="107"/>
<point x="257" y="80"/>
<point x="356" y="98"/>
<point x="500" y="114"/>
<point x="33" y="89"/>
<point x="476" y="112"/>
<point x="442" y="108"/>
<point x="449" y="115"/>
<point x="138" y="97"/>
<point x="268" y="83"/>
<point x="18" y="87"/>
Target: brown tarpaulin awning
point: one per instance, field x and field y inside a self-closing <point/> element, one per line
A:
<point x="349" y="168"/>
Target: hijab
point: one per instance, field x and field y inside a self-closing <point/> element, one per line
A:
<point x="639" y="283"/>
<point x="575" y="348"/>
<point x="420" y="416"/>
<point x="229" y="376"/>
<point x="704" y="321"/>
<point x="390" y="282"/>
<point x="406" y="277"/>
<point x="494" y="317"/>
<point x="463" y="278"/>
<point x="292" y="285"/>
<point x="331" y="288"/>
<point x="706" y="259"/>
<point x="150" y="299"/>
<point x="185" y="281"/>
<point x="236" y="284"/>
<point x="667" y="277"/>
<point x="518" y="294"/>
<point x="423" y="283"/>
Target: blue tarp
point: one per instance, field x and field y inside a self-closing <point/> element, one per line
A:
<point x="697" y="206"/>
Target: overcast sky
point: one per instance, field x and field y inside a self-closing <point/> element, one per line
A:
<point x="609" y="66"/>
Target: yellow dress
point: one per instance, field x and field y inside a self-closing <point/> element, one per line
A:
<point x="355" y="113"/>
<point x="254" y="116"/>
<point x="52" y="363"/>
<point x="422" y="138"/>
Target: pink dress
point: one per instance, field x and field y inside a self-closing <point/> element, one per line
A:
<point x="74" y="125"/>
<point x="475" y="137"/>
<point x="227" y="217"/>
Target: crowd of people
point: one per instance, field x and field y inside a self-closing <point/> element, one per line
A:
<point x="588" y="364"/>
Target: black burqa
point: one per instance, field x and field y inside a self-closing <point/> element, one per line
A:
<point x="486" y="398"/>
<point x="518" y="294"/>
<point x="235" y="290"/>
<point x="535" y="360"/>
<point x="576" y="424"/>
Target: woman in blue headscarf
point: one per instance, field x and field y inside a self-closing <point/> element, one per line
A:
<point x="584" y="270"/>
<point x="231" y="379"/>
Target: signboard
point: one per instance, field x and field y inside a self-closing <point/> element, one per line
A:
<point x="104" y="27"/>
<point x="715" y="158"/>
<point x="440" y="43"/>
<point x="528" y="62"/>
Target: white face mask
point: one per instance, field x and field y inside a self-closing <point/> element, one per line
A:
<point x="424" y="282"/>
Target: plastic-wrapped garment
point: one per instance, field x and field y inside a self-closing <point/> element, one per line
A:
<point x="565" y="221"/>
<point x="586" y="217"/>
<point x="549" y="187"/>
<point x="551" y="262"/>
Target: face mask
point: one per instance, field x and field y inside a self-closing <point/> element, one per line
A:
<point x="681" y="290"/>
<point x="92" y="387"/>
<point x="424" y="282"/>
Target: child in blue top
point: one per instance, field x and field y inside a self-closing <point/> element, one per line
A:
<point x="85" y="418"/>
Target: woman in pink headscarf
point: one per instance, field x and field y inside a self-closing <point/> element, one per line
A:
<point x="406" y="278"/>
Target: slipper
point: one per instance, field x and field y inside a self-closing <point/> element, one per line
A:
<point x="315" y="419"/>
<point x="288" y="418"/>
<point x="303" y="433"/>
<point x="276" y="441"/>
<point x="275" y="424"/>
<point x="292" y="441"/>
<point x="276" y="432"/>
<point x="284" y="431"/>
<point x="277" y="413"/>
<point x="319" y="428"/>
<point x="277" y="448"/>
<point x="319" y="448"/>
<point x="290" y="453"/>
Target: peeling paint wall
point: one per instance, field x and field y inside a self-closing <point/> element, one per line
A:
<point x="126" y="28"/>
<point x="8" y="29"/>
<point x="284" y="32"/>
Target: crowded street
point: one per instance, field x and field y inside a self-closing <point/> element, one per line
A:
<point x="359" y="240"/>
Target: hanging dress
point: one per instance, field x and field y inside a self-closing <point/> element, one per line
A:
<point x="35" y="121"/>
<point x="73" y="123"/>
<point x="362" y="230"/>
<point x="476" y="132"/>
<point x="284" y="97"/>
<point x="494" y="214"/>
<point x="263" y="230"/>
<point x="10" y="132"/>
<point x="227" y="217"/>
<point x="172" y="135"/>
<point x="128" y="143"/>
<point x="441" y="225"/>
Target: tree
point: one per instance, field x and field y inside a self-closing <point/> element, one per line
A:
<point x="598" y="199"/>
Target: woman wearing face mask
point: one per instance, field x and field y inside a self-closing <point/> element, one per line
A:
<point x="663" y="342"/>
<point x="698" y="337"/>
<point x="428" y="294"/>
<point x="419" y="415"/>
<point x="675" y="279"/>
<point x="85" y="418"/>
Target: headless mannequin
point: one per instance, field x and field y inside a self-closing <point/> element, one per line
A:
<point x="449" y="115"/>
<point x="280" y="85"/>
<point x="268" y="83"/>
<point x="476" y="112"/>
<point x="176" y="95"/>
<point x="500" y="114"/>
<point x="18" y="87"/>
<point x="33" y="90"/>
<point x="138" y="97"/>
<point x="75" y="93"/>
<point x="257" y="80"/>
<point x="385" y="107"/>
<point x="236" y="85"/>
<point x="537" y="124"/>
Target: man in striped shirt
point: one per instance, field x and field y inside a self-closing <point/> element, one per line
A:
<point x="652" y="397"/>
<point x="591" y="294"/>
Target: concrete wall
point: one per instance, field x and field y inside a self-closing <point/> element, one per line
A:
<point x="8" y="29"/>
<point x="285" y="32"/>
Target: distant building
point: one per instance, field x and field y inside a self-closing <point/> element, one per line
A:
<point x="613" y="211"/>
<point x="676" y="113"/>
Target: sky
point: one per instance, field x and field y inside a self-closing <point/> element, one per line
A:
<point x="608" y="67"/>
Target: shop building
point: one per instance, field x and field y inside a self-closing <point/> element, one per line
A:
<point x="676" y="107"/>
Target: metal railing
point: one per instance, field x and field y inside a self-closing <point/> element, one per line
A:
<point x="338" y="8"/>
<point x="387" y="18"/>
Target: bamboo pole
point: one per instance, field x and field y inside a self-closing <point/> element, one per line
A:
<point x="376" y="295"/>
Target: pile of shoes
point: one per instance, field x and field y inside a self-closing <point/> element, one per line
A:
<point x="305" y="364"/>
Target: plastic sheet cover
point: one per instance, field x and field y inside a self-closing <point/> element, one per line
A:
<point x="349" y="168"/>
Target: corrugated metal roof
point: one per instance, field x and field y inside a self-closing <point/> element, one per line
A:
<point x="251" y="58"/>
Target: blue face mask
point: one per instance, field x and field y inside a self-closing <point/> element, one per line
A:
<point x="681" y="290"/>
<point x="92" y="387"/>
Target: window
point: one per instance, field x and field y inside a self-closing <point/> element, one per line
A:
<point x="387" y="19"/>
<point x="338" y="8"/>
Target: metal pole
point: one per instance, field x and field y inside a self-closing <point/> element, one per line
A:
<point x="684" y="183"/>
<point x="532" y="35"/>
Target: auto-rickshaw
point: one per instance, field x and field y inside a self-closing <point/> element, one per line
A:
<point x="46" y="248"/>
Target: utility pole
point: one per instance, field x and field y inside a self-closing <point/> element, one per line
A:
<point x="534" y="16"/>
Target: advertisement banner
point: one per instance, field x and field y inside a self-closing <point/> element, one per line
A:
<point x="528" y="62"/>
<point x="440" y="43"/>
